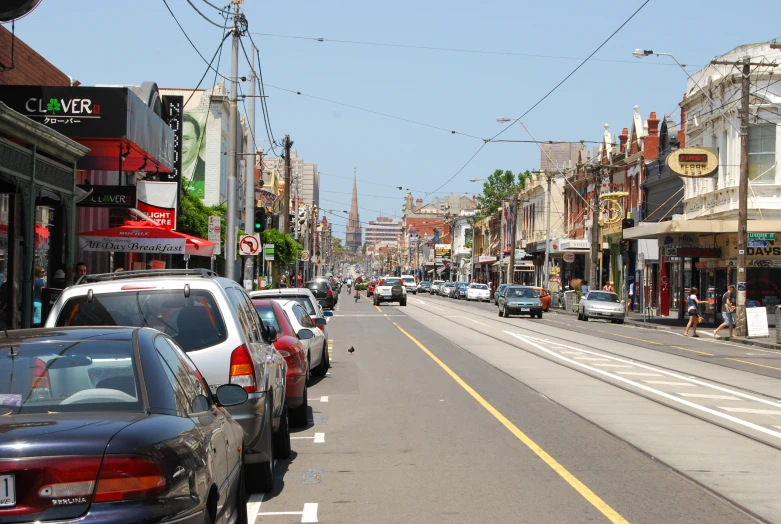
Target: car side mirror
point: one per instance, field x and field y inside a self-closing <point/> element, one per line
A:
<point x="320" y="322"/>
<point x="270" y="333"/>
<point x="328" y="314"/>
<point x="305" y="334"/>
<point x="230" y="395"/>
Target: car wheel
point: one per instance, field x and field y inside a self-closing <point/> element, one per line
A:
<point x="580" y="317"/>
<point x="505" y="313"/>
<point x="585" y="317"/>
<point x="539" y="315"/>
<point x="259" y="478"/>
<point x="322" y="368"/>
<point x="500" y="312"/>
<point x="403" y="303"/>
<point x="308" y="380"/>
<point x="621" y="321"/>
<point x="299" y="417"/>
<point x="282" y="437"/>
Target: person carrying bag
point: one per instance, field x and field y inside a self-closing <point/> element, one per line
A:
<point x="693" y="308"/>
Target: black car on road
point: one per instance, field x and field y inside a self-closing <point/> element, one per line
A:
<point x="115" y="425"/>
<point x="321" y="289"/>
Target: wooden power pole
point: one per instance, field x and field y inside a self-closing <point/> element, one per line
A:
<point x="286" y="194"/>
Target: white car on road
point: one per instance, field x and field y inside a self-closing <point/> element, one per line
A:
<point x="478" y="292"/>
<point x="410" y="284"/>
<point x="390" y="289"/>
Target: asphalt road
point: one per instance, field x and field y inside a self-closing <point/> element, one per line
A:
<point x="443" y="414"/>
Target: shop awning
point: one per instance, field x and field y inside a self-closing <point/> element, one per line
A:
<point x="120" y="129"/>
<point x="702" y="227"/>
<point x="144" y="237"/>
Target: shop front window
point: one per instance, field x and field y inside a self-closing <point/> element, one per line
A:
<point x="5" y="202"/>
<point x="43" y="261"/>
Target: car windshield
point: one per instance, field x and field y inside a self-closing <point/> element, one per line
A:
<point x="268" y="316"/>
<point x="522" y="292"/>
<point x="304" y="301"/>
<point x="408" y="280"/>
<point x="195" y="322"/>
<point x="391" y="282"/>
<point x="601" y="296"/>
<point x="322" y="284"/>
<point x="69" y="376"/>
<point x="478" y="286"/>
<point x="439" y="282"/>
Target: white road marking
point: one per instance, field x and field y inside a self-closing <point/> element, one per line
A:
<point x="666" y="383"/>
<point x="310" y="512"/>
<point x="671" y="374"/>
<point x="638" y="374"/>
<point x="754" y="411"/>
<point x="613" y="365"/>
<point x="756" y="427"/>
<point x="253" y="506"/>
<point x="324" y="399"/>
<point x="779" y="427"/>
<point x="592" y="359"/>
<point x="466" y="318"/>
<point x="571" y="352"/>
<point x="319" y="438"/>
<point x="429" y="305"/>
<point x="704" y="395"/>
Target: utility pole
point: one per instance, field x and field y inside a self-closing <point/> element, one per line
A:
<point x="596" y="244"/>
<point x="511" y="265"/>
<point x="230" y="234"/>
<point x="286" y="195"/>
<point x="546" y="272"/>
<point x="249" y="174"/>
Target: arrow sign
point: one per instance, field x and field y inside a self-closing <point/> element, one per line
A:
<point x="249" y="245"/>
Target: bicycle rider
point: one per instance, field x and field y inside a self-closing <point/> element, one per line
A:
<point x="349" y="284"/>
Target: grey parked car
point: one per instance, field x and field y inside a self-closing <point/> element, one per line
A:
<point x="213" y="320"/>
<point x="601" y="304"/>
<point x="521" y="300"/>
<point x="499" y="292"/>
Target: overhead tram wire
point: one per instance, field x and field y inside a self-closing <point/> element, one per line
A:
<point x="262" y="90"/>
<point x="544" y="97"/>
<point x="220" y="9"/>
<point x="226" y="34"/>
<point x="455" y="50"/>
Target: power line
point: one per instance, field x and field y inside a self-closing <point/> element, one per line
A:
<point x="455" y="50"/>
<point x="206" y="17"/>
<point x="219" y="51"/>
<point x="261" y="90"/>
<point x="451" y="131"/>
<point x="191" y="42"/>
<point x="544" y="97"/>
<point x="220" y="9"/>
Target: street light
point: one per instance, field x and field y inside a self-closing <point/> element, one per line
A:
<point x="504" y="119"/>
<point x="476" y="179"/>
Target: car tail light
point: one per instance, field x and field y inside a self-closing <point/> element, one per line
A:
<point x="242" y="369"/>
<point x="41" y="483"/>
<point x="330" y="293"/>
<point x="287" y="356"/>
<point x="129" y="477"/>
<point x="314" y="319"/>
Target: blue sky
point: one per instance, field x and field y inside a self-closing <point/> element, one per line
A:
<point x="127" y="42"/>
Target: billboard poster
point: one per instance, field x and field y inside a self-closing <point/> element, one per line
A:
<point x="193" y="149"/>
<point x="158" y="201"/>
<point x="442" y="252"/>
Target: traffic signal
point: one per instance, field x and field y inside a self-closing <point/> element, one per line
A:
<point x="261" y="219"/>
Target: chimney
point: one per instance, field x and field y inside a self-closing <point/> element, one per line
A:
<point x="682" y="131"/>
<point x="623" y="137"/>
<point x="651" y="142"/>
<point x="419" y="202"/>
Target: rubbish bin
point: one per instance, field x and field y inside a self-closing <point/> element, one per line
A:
<point x="569" y="300"/>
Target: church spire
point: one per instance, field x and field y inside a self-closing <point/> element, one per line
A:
<point x="354" y="230"/>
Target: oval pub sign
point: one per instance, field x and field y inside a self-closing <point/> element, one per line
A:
<point x="693" y="162"/>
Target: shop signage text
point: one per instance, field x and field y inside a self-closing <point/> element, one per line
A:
<point x="108" y="196"/>
<point x="694" y="162"/>
<point x="173" y="108"/>
<point x="761" y="236"/>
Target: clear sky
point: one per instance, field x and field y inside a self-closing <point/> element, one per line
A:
<point x="130" y="41"/>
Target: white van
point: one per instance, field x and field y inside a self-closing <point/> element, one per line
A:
<point x="410" y="284"/>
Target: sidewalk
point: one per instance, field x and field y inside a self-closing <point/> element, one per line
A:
<point x="676" y="324"/>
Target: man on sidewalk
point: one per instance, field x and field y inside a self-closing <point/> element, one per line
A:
<point x="727" y="311"/>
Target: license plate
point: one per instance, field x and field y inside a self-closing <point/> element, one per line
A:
<point x="7" y="491"/>
<point x="524" y="309"/>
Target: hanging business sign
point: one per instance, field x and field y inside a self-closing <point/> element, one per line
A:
<point x="158" y="201"/>
<point x="107" y="196"/>
<point x="694" y="162"/>
<point x="173" y="110"/>
<point x="569" y="258"/>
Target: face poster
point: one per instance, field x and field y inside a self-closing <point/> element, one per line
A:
<point x="193" y="147"/>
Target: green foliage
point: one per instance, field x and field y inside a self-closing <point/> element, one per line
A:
<point x="194" y="218"/>
<point x="286" y="250"/>
<point x="499" y="187"/>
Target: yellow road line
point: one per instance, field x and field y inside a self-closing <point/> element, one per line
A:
<point x="753" y="363"/>
<point x="378" y="309"/>
<point x="632" y="338"/>
<point x="694" y="351"/>
<point x="581" y="488"/>
<point x="556" y="321"/>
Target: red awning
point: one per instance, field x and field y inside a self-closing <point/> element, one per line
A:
<point x="144" y="237"/>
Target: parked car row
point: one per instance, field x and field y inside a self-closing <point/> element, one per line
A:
<point x="193" y="383"/>
<point x="457" y="290"/>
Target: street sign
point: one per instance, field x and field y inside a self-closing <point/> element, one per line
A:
<point x="249" y="245"/>
<point x="214" y="233"/>
<point x="520" y="253"/>
<point x="305" y="256"/>
<point x="757" y="243"/>
<point x="268" y="252"/>
<point x="761" y="236"/>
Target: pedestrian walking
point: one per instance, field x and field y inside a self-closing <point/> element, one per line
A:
<point x="727" y="311"/>
<point x="693" y="307"/>
<point x="584" y="288"/>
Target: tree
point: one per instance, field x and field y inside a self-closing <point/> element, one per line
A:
<point x="498" y="188"/>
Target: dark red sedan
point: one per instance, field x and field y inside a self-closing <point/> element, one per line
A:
<point x="370" y="288"/>
<point x="293" y="351"/>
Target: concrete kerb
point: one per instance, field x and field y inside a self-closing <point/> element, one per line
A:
<point x="652" y="325"/>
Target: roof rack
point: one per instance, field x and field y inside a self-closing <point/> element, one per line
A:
<point x="123" y="275"/>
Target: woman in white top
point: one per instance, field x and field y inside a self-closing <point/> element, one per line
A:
<point x="692" y="305"/>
